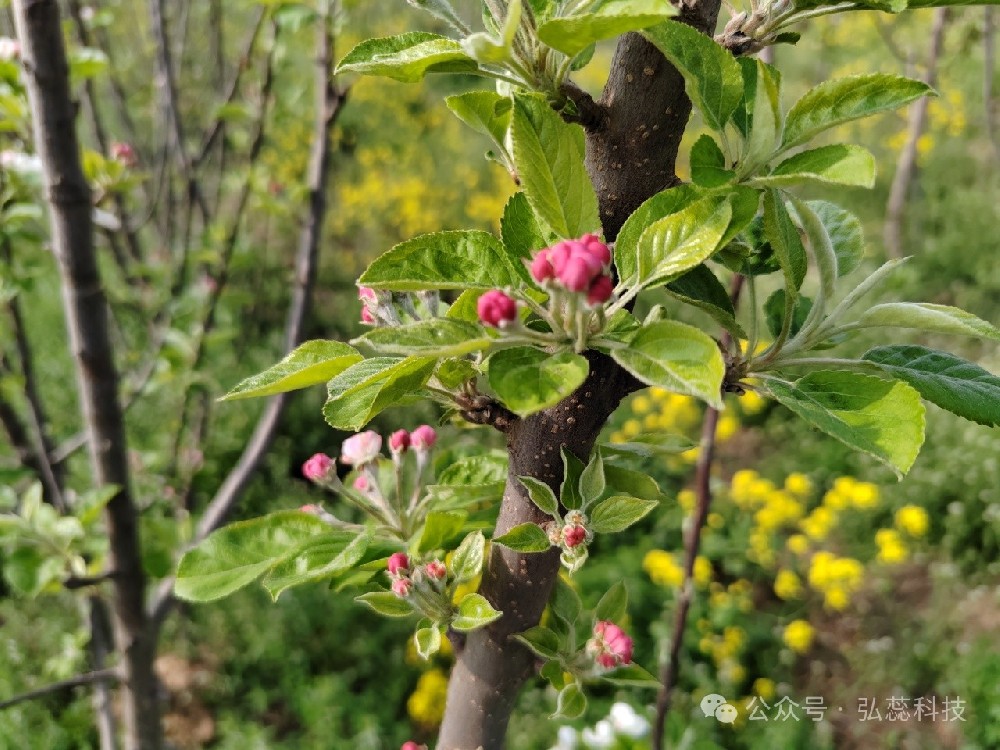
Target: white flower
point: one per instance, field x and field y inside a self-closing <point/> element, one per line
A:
<point x="601" y="737"/>
<point x="17" y="161"/>
<point x="10" y="49"/>
<point x="567" y="739"/>
<point x="361" y="448"/>
<point x="626" y="721"/>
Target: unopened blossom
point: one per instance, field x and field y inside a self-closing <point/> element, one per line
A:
<point x="361" y="449"/>
<point x="366" y="317"/>
<point x="436" y="570"/>
<point x="600" y="290"/>
<point x="411" y="745"/>
<point x="580" y="265"/>
<point x="423" y="438"/>
<point x="10" y="49"/>
<point x="496" y="308"/>
<point x="574" y="536"/>
<point x="318" y="467"/>
<point x="361" y="483"/>
<point x="541" y="268"/>
<point x="401" y="587"/>
<point x="610" y="646"/>
<point x="399" y="441"/>
<point x="398" y="564"/>
<point x="124" y="153"/>
<point x="311" y="509"/>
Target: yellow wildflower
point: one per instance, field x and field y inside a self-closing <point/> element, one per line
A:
<point x="426" y="704"/>
<point x="662" y="568"/>
<point x="891" y="548"/>
<point x="764" y="687"/>
<point x="837" y="598"/>
<point x="864" y="495"/>
<point x="798" y="636"/>
<point x="716" y="521"/>
<point x="727" y="427"/>
<point x="702" y="572"/>
<point x="641" y="404"/>
<point x="787" y="585"/>
<point x="799" y="485"/>
<point x="752" y="402"/>
<point x="913" y="520"/>
<point x="687" y="499"/>
<point x="631" y="428"/>
<point x="798" y="544"/>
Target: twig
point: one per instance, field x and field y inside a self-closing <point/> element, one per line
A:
<point x="100" y="646"/>
<point x="703" y="489"/>
<point x="88" y="678"/>
<point x="989" y="59"/>
<point x="330" y="102"/>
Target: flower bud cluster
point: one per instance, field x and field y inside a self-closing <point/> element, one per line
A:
<point x="579" y="266"/>
<point x="573" y="537"/>
<point x="424" y="586"/>
<point x="610" y="647"/>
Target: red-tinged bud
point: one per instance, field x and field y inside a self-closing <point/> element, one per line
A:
<point x="124" y="153"/>
<point x="362" y="448"/>
<point x="541" y="267"/>
<point x="600" y="290"/>
<point x="366" y="317"/>
<point x="399" y="441"/>
<point x="318" y="467"/>
<point x="423" y="438"/>
<point x="401" y="587"/>
<point x="496" y="308"/>
<point x="361" y="483"/>
<point x="312" y="510"/>
<point x="611" y="646"/>
<point x="398" y="564"/>
<point x="436" y="570"/>
<point x="573" y="536"/>
<point x="577" y="274"/>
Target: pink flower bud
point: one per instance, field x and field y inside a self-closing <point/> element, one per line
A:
<point x="559" y="254"/>
<point x="596" y="249"/>
<point x="312" y="510"/>
<point x="423" y="438"/>
<point x="366" y="294"/>
<point x="124" y="153"/>
<point x="366" y="317"/>
<point x="411" y="745"/>
<point x="361" y="483"/>
<point x="436" y="570"/>
<point x="574" y="536"/>
<point x="495" y="308"/>
<point x="600" y="290"/>
<point x="541" y="267"/>
<point x="399" y="441"/>
<point x="361" y="449"/>
<point x="578" y="273"/>
<point x="318" y="467"/>
<point x="398" y="564"/>
<point x="10" y="49"/>
<point x="401" y="587"/>
<point x="612" y="648"/>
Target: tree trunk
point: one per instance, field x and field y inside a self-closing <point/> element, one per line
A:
<point x="631" y="151"/>
<point x="906" y="167"/>
<point x="69" y="203"/>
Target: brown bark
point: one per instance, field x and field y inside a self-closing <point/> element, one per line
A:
<point x="85" y="306"/>
<point x="631" y="151"/>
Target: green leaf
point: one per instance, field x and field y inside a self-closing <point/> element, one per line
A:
<point x="311" y="363"/>
<point x="439" y="529"/>
<point x="927" y="317"/>
<point x="681" y="241"/>
<point x="844" y="99"/>
<point x="485" y="112"/>
<point x="651" y="445"/>
<point x="631" y="676"/>
<point x="614" y="604"/>
<point x="437" y="337"/>
<point x="711" y="74"/>
<point x="708" y="164"/>
<point x="569" y="491"/>
<point x="519" y="228"/>
<point x="242" y="552"/>
<point x="356" y="395"/>
<point x="822" y="250"/>
<point x="661" y="205"/>
<point x="774" y="312"/>
<point x="573" y="34"/>
<point x="618" y="513"/>
<point x="845" y="232"/>
<point x="474" y="612"/>
<point x="700" y="288"/>
<point x="541" y="495"/>
<point x="525" y="537"/>
<point x="454" y="373"/>
<point x="386" y="603"/>
<point x="467" y="562"/>
<point x="961" y="387"/>
<point x="833" y="165"/>
<point x="565" y="602"/>
<point x="882" y="418"/>
<point x="548" y="154"/>
<point x="475" y="470"/>
<point x="766" y="123"/>
<point x="407" y="57"/>
<point x="528" y="380"/>
<point x="677" y="357"/>
<point x="445" y="260"/>
<point x="427" y="641"/>
<point x="784" y="237"/>
<point x="571" y="702"/>
<point x="542" y="641"/>
<point x="592" y="482"/>
<point x="487" y="48"/>
<point x="323" y="558"/>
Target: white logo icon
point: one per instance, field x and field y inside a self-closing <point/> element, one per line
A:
<point x="716" y="705"/>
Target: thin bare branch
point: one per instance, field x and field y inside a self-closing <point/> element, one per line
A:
<point x="88" y="678"/>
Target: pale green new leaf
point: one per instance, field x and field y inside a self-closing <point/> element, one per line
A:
<point x="784" y="238"/>
<point x="766" y="125"/>
<point x="542" y="641"/>
<point x="836" y="165"/>
<point x="309" y="364"/>
<point x="427" y="641"/>
<point x="407" y="57"/>
<point x="548" y="154"/>
<point x="240" y="553"/>
<point x="386" y="603"/>
<point x="613" y="606"/>
<point x="708" y="164"/>
<point x="519" y="228"/>
<point x="467" y="562"/>
<point x="927" y="317"/>
<point x="474" y="612"/>
<point x="326" y="557"/>
<point x="681" y="241"/>
<point x="446" y="260"/>
<point x="677" y="357"/>
<point x="961" y="387"/>
<point x="619" y="512"/>
<point x="525" y="537"/>
<point x="845" y="232"/>
<point x="359" y="393"/>
<point x="659" y="206"/>
<point x="438" y="337"/>
<point x="573" y="34"/>
<point x="528" y="380"/>
<point x="541" y="495"/>
<point x="844" y="99"/>
<point x="631" y="676"/>
<point x="439" y="529"/>
<point x="485" y="112"/>
<point x="880" y="417"/>
<point x="571" y="702"/>
<point x="712" y="77"/>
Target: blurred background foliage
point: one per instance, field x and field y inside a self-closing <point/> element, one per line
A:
<point x="820" y="575"/>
